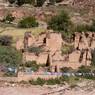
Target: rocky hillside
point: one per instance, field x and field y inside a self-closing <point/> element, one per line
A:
<point x="84" y="4"/>
<point x="83" y="10"/>
<point x="81" y="4"/>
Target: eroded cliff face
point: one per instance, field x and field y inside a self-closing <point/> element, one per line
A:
<point x="84" y="4"/>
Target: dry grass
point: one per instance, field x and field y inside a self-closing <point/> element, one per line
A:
<point x="19" y="33"/>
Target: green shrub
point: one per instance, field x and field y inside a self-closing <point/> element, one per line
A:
<point x="39" y="81"/>
<point x="28" y="22"/>
<point x="66" y="79"/>
<point x="33" y="82"/>
<point x="36" y="50"/>
<point x="81" y="28"/>
<point x="60" y="22"/>
<point x="9" y="18"/>
<point x="9" y="56"/>
<point x="53" y="81"/>
<point x="34" y="66"/>
<point x="92" y="27"/>
<point x="6" y="40"/>
<point x="9" y="74"/>
<point x="67" y="36"/>
<point x="85" y="71"/>
<point x="66" y="70"/>
<point x="66" y="49"/>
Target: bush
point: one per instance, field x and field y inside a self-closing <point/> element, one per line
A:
<point x="33" y="82"/>
<point x="53" y="81"/>
<point x="92" y="27"/>
<point x="9" y="18"/>
<point x="66" y="49"/>
<point x="39" y="81"/>
<point x="35" y="50"/>
<point x="65" y="79"/>
<point x="60" y="22"/>
<point x="9" y="74"/>
<point x="34" y="66"/>
<point x="30" y="63"/>
<point x="6" y="40"/>
<point x="67" y="36"/>
<point x="10" y="56"/>
<point x="82" y="28"/>
<point x="85" y="72"/>
<point x="84" y="69"/>
<point x="66" y="70"/>
<point x="28" y="22"/>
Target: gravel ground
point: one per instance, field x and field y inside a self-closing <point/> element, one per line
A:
<point x="83" y="88"/>
<point x="41" y="91"/>
<point x="22" y="91"/>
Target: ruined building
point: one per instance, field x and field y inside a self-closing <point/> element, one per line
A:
<point x="51" y="43"/>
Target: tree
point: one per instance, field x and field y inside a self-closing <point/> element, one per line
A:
<point x="60" y="22"/>
<point x="10" y="56"/>
<point x="28" y="22"/>
<point x="6" y="40"/>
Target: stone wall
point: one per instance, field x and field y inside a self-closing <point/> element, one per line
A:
<point x="27" y="77"/>
<point x="41" y="59"/>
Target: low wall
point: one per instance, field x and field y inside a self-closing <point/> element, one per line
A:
<point x="9" y="79"/>
<point x="27" y="77"/>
